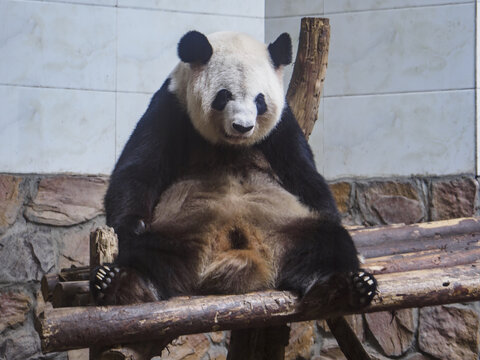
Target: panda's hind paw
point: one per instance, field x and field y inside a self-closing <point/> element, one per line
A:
<point x="102" y="280"/>
<point x="364" y="288"/>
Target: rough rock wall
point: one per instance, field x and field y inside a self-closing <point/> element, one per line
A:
<point x="45" y="222"/>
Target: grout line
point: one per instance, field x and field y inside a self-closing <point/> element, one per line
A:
<point x="366" y="10"/>
<point x="73" y="2"/>
<point x="477" y="94"/>
<point x="324" y="96"/>
<point x="191" y="12"/>
<point x="55" y="87"/>
<point x="78" y="89"/>
<point x="402" y="8"/>
<point x="116" y="84"/>
<point x="406" y="92"/>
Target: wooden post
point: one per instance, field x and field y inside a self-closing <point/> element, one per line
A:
<point x="103" y="249"/>
<point x="259" y="344"/>
<point x="347" y="340"/>
<point x="309" y="72"/>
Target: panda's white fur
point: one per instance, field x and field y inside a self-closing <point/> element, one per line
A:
<point x="243" y="66"/>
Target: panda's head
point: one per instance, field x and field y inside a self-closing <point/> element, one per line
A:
<point x="231" y="85"/>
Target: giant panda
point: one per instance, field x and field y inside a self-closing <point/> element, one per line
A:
<point x="216" y="191"/>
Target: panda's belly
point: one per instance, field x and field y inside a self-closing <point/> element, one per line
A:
<point x="237" y="222"/>
<point x="224" y="201"/>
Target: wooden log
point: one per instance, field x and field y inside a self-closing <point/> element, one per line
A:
<point x="47" y="285"/>
<point x="306" y="84"/>
<point x="427" y="287"/>
<point x="103" y="246"/>
<point x="397" y="234"/>
<point x="422" y="260"/>
<point x="347" y="340"/>
<point x="70" y="328"/>
<point x="259" y="343"/>
<point x="49" y="281"/>
<point x="103" y="249"/>
<point x="71" y="293"/>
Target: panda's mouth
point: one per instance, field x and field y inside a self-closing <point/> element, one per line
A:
<point x="237" y="138"/>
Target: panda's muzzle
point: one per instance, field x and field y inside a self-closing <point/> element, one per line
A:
<point x="242" y="129"/>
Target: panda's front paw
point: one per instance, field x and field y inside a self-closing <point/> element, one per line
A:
<point x="363" y="288"/>
<point x="102" y="281"/>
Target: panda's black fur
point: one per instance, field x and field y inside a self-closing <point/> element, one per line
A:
<point x="169" y="246"/>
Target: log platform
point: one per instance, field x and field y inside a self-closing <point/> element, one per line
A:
<point x="415" y="265"/>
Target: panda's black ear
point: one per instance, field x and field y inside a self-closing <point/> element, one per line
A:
<point x="194" y="48"/>
<point x="281" y="50"/>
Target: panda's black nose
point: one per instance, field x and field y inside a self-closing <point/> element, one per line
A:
<point x="242" y="129"/>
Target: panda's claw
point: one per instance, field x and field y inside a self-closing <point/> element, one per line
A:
<point x="364" y="287"/>
<point x="104" y="277"/>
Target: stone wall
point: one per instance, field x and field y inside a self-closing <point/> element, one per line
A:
<point x="45" y="222"/>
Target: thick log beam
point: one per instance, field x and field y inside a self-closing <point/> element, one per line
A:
<point x="71" y="328"/>
<point x="399" y="239"/>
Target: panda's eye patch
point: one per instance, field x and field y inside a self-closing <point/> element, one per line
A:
<point x="223" y="96"/>
<point x="261" y="105"/>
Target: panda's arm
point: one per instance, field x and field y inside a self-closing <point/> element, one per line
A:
<point x="291" y="159"/>
<point x="147" y="165"/>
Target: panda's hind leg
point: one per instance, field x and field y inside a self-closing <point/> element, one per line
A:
<point x="320" y="259"/>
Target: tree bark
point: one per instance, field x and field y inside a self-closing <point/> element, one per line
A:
<point x="103" y="249"/>
<point x="71" y="293"/>
<point x="309" y="72"/>
<point x="347" y="340"/>
<point x="49" y="281"/>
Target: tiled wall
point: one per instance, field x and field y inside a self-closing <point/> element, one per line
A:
<point x="75" y="76"/>
<point x="399" y="97"/>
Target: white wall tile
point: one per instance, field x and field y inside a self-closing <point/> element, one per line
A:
<point x="277" y="8"/>
<point x="400" y="135"/>
<point x="56" y="130"/>
<point x="415" y="49"/>
<point x="57" y="45"/>
<point x="130" y="108"/>
<point x="86" y="2"/>
<point x="332" y="6"/>
<point x="253" y="8"/>
<point x="147" y="43"/>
